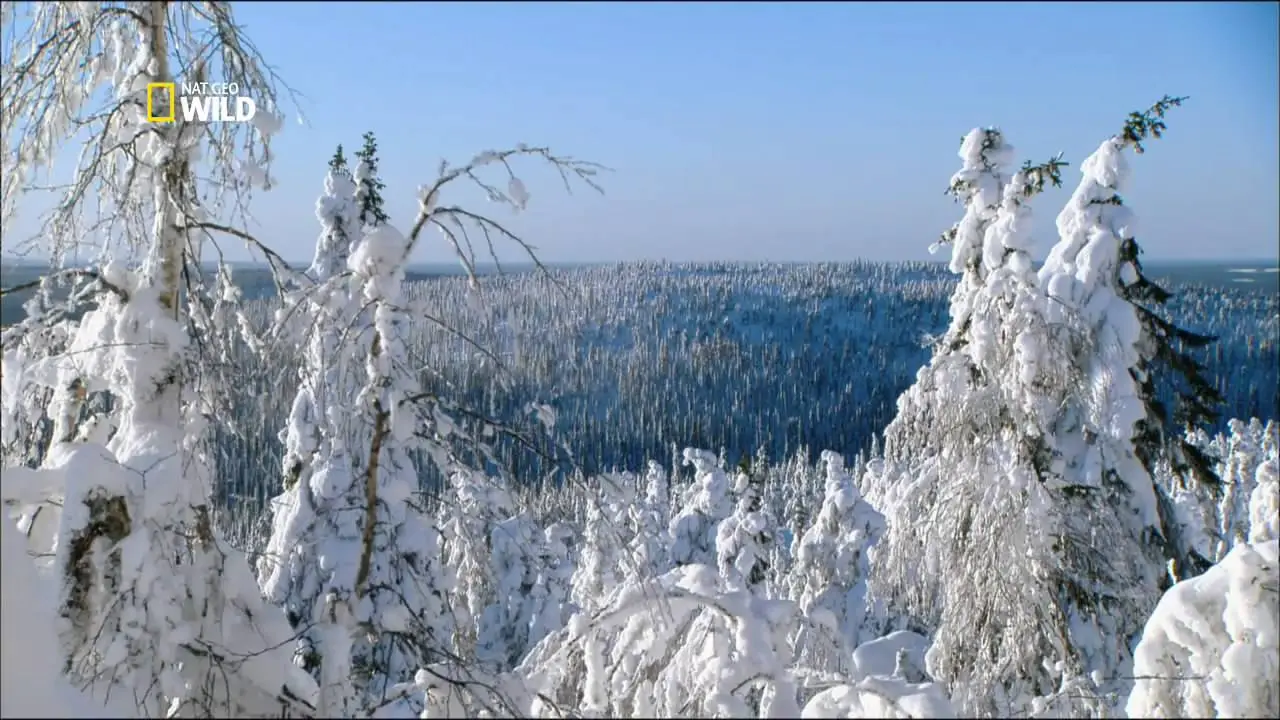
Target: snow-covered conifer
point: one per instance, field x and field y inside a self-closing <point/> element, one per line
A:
<point x="503" y="635"/>
<point x="549" y="596"/>
<point x="829" y="578"/>
<point x="479" y="504"/>
<point x="1246" y="450"/>
<point x="745" y="540"/>
<point x="969" y="474"/>
<point x="649" y="546"/>
<point x="369" y="185"/>
<point x="978" y="186"/>
<point x="1120" y="431"/>
<point x="704" y="504"/>
<point x="400" y="584"/>
<point x="314" y="528"/>
<point x="1264" y="503"/>
<point x="610" y="506"/>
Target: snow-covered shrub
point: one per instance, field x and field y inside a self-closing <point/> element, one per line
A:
<point x="880" y="697"/>
<point x="1212" y="646"/>
<point x="676" y="646"/>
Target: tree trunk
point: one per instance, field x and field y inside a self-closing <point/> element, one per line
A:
<point x="371" y="483"/>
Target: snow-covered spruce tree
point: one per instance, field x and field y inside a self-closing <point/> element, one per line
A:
<point x="386" y="583"/>
<point x="1211" y="523"/>
<point x="1121" y="431"/>
<point x="503" y="635"/>
<point x="1017" y="571"/>
<point x="155" y="606"/>
<point x="609" y="505"/>
<point x="704" y="504"/>
<point x="313" y="518"/>
<point x="829" y="578"/>
<point x="1246" y="449"/>
<point x="915" y="431"/>
<point x="388" y="579"/>
<point x="479" y="503"/>
<point x="649" y="545"/>
<point x="549" y="598"/>
<point x="369" y="185"/>
<point x="1264" y="503"/>
<point x="745" y="540"/>
<point x="979" y="186"/>
<point x="338" y="163"/>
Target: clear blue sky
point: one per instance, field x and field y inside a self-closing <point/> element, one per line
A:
<point x="781" y="131"/>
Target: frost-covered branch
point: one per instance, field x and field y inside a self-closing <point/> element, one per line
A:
<point x="453" y="221"/>
<point x="78" y="70"/>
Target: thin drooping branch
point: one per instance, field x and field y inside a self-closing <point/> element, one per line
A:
<point x="432" y="213"/>
<point x="93" y="275"/>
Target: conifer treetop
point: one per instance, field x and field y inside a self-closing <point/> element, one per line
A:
<point x="338" y="163"/>
<point x="369" y="184"/>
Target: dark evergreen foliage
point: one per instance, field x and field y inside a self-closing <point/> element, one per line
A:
<point x="369" y="189"/>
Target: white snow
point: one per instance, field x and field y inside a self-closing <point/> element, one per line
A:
<point x="1210" y="648"/>
<point x="31" y="680"/>
<point x="878" y="697"/>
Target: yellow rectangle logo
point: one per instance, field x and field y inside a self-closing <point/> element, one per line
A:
<point x="162" y="102"/>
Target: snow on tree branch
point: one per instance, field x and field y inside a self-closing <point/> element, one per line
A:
<point x="457" y="223"/>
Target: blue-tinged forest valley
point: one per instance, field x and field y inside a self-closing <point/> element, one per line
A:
<point x="638" y="359"/>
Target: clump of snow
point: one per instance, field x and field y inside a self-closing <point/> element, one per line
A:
<point x="267" y="122"/>
<point x="1211" y="649"/>
<point x="880" y="697"/>
<point x="880" y="656"/>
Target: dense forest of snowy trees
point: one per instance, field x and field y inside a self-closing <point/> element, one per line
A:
<point x="707" y="358"/>
<point x="503" y="501"/>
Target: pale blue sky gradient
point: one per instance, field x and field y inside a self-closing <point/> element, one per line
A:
<point x="793" y="131"/>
